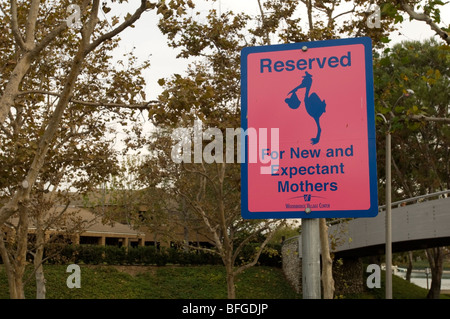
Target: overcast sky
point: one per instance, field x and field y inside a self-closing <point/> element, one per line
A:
<point x="149" y="42"/>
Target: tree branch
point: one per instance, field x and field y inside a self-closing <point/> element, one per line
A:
<point x="202" y="174"/>
<point x="213" y="230"/>
<point x="426" y="18"/>
<point x="15" y="26"/>
<point x="49" y="38"/>
<point x="208" y="250"/>
<point x="255" y="259"/>
<point x="120" y="28"/>
<point x="7" y="133"/>
<point x="247" y="240"/>
<point x="344" y="13"/>
<point x="23" y="64"/>
<point x="402" y="178"/>
<point x="309" y="7"/>
<point x="30" y="26"/>
<point x="140" y="106"/>
<point x="263" y="22"/>
<point x="429" y="118"/>
<point x="56" y="31"/>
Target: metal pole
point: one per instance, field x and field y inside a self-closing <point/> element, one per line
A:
<point x="388" y="217"/>
<point x="409" y="92"/>
<point x="310" y="258"/>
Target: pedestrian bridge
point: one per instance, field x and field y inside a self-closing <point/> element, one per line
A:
<point x="415" y="226"/>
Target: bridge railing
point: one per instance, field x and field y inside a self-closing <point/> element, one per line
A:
<point x="416" y="199"/>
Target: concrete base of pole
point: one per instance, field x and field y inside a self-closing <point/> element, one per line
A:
<point x="310" y="259"/>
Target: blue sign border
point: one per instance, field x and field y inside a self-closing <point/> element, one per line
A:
<point x="373" y="209"/>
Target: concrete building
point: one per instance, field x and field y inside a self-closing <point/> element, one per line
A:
<point x="81" y="226"/>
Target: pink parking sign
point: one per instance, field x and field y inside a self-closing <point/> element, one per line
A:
<point x="312" y="108"/>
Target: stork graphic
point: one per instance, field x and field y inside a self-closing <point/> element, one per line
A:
<point x="314" y="106"/>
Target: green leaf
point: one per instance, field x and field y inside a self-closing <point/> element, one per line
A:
<point x="398" y="19"/>
<point x="389" y="10"/>
<point x="385" y="61"/>
<point x="399" y="109"/>
<point x="437" y="74"/>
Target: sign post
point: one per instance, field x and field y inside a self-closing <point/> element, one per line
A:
<point x="310" y="258"/>
<point x="308" y="118"/>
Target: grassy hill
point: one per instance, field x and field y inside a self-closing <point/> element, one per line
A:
<point x="169" y="282"/>
<point x="401" y="289"/>
<point x="176" y="282"/>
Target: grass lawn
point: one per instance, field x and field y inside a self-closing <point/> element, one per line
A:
<point x="175" y="282"/>
<point x="141" y="282"/>
<point x="401" y="289"/>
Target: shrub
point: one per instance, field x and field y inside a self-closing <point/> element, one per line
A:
<point x="114" y="255"/>
<point x="90" y="254"/>
<point x="150" y="255"/>
<point x="270" y="256"/>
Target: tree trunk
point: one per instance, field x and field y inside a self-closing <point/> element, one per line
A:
<point x="327" y="261"/>
<point x="12" y="284"/>
<point x="39" y="269"/>
<point x="231" y="289"/>
<point x="8" y="269"/>
<point x="18" y="278"/>
<point x="185" y="226"/>
<point x="228" y="261"/>
<point x="436" y="259"/>
<point x="410" y="266"/>
<point x="40" y="282"/>
<point x="21" y="252"/>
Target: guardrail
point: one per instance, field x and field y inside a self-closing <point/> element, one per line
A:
<point x="415" y="199"/>
<point x="397" y="203"/>
<point x="383" y="207"/>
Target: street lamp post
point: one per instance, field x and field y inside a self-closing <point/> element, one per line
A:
<point x="388" y="216"/>
<point x="388" y="211"/>
<point x="388" y="195"/>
